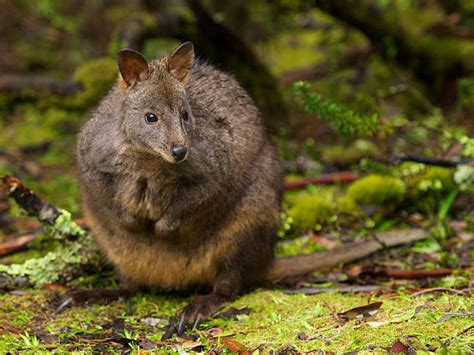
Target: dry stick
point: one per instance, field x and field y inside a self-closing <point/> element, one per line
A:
<point x="432" y="161"/>
<point x="440" y="289"/>
<point x="332" y="178"/>
<point x="31" y="203"/>
<point x="17" y="244"/>
<point x="303" y="264"/>
<point x="416" y="274"/>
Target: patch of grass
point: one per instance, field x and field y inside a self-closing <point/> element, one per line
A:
<point x="275" y="319"/>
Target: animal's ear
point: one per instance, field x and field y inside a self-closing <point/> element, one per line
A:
<point x="133" y="67"/>
<point x="180" y="61"/>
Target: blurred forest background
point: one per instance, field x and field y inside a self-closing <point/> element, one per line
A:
<point x="379" y="94"/>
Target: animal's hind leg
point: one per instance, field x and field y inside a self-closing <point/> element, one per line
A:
<point x="240" y="272"/>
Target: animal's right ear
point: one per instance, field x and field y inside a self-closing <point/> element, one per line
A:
<point x="133" y="68"/>
<point x="180" y="61"/>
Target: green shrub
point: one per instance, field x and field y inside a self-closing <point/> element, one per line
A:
<point x="346" y="121"/>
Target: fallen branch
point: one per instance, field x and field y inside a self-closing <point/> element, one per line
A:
<point x="13" y="84"/>
<point x="31" y="203"/>
<point x="304" y="264"/>
<point x="327" y="179"/>
<point x="341" y="289"/>
<point x="74" y="257"/>
<point x="433" y="161"/>
<point x="350" y="57"/>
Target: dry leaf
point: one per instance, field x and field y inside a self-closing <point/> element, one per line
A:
<point x="361" y="312"/>
<point x="398" y="347"/>
<point x="233" y="345"/>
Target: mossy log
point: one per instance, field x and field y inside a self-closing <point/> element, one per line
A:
<point x="75" y="256"/>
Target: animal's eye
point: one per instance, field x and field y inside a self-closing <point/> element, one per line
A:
<point x="184" y="115"/>
<point x="151" y="118"/>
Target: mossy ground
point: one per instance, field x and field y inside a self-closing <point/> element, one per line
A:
<point x="29" y="322"/>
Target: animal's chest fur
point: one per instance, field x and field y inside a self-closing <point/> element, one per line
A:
<point x="156" y="266"/>
<point x="147" y="198"/>
<point x="147" y="259"/>
<point x="152" y="262"/>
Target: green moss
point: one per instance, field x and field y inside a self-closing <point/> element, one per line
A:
<point x="377" y="190"/>
<point x="51" y="267"/>
<point x="96" y="77"/>
<point x="348" y="212"/>
<point x="309" y="212"/>
<point x="300" y="55"/>
<point x="63" y="262"/>
<point x="302" y="245"/>
<point x="346" y="204"/>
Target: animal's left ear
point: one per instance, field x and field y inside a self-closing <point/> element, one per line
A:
<point x="133" y="67"/>
<point x="180" y="61"/>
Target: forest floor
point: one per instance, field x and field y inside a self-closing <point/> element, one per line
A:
<point x="265" y="320"/>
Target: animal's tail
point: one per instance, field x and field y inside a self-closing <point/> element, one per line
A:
<point x="299" y="265"/>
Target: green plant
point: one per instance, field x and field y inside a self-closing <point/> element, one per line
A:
<point x="31" y="342"/>
<point x="346" y="121"/>
<point x="464" y="177"/>
<point x="446" y="204"/>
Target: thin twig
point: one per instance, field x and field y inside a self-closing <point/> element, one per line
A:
<point x="16" y="244"/>
<point x="442" y="289"/>
<point x="327" y="179"/>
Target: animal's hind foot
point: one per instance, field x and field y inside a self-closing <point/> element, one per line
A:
<point x="200" y="308"/>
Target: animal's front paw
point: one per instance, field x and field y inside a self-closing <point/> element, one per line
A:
<point x="164" y="226"/>
<point x="201" y="307"/>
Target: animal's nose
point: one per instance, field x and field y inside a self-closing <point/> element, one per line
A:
<point x="179" y="153"/>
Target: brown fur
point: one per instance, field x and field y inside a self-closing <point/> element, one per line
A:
<point x="209" y="220"/>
